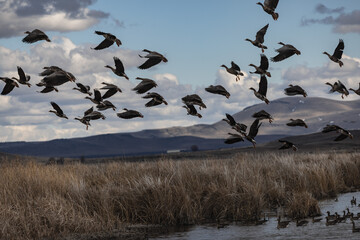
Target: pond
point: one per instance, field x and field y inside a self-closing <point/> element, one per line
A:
<point x="269" y="229"/>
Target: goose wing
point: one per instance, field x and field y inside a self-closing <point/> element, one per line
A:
<point x="57" y="108"/>
<point x="21" y="73"/>
<point x="264" y="62"/>
<point x="235" y="66"/>
<point x="119" y="65"/>
<point x="272" y="4"/>
<point x="232" y="121"/>
<point x="104" y="44"/>
<point x="341" y="137"/>
<point x="97" y="95"/>
<point x="90" y="110"/>
<point x="254" y="128"/>
<point x="7" y="88"/>
<point x="339" y="49"/>
<point x="283" y="53"/>
<point x="150" y="62"/>
<point x="35" y="36"/>
<point x="260" y="34"/>
<point x="234" y="138"/>
<point x="153" y="102"/>
<point x="263" y="85"/>
<point x="109" y="93"/>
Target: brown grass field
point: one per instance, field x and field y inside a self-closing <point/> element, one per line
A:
<point x="39" y="201"/>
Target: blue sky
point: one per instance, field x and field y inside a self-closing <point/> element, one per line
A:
<point x="196" y="37"/>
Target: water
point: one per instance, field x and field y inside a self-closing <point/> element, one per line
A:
<point x="269" y="229"/>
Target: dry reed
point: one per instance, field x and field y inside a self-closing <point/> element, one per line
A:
<point x="45" y="201"/>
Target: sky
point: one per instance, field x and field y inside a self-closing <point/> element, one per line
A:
<point x="196" y="37"/>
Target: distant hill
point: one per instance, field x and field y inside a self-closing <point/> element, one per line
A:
<point x="317" y="112"/>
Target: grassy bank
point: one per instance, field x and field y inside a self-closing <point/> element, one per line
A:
<point x="43" y="201"/>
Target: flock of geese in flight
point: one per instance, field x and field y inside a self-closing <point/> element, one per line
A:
<point x="54" y="76"/>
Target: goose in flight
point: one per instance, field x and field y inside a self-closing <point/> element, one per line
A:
<point x="111" y="90"/>
<point x="34" y="36"/>
<point x="357" y="91"/>
<point x="105" y="105"/>
<point x="234" y="70"/>
<point x="9" y="85"/>
<point x="254" y="129"/>
<point x="119" y="68"/>
<point x="218" y="89"/>
<point x="156" y="99"/>
<point x="261" y="93"/>
<point x="193" y="99"/>
<point x="284" y="52"/>
<point x="58" y="111"/>
<point x="264" y="66"/>
<point x="55" y="76"/>
<point x="83" y="89"/>
<point x="287" y="145"/>
<point x="338" y="87"/>
<point x="23" y="79"/>
<point x="128" y="114"/>
<point x="297" y="122"/>
<point x="337" y="53"/>
<point x="145" y="85"/>
<point x="343" y="133"/>
<point x="269" y="7"/>
<point x="259" y="38"/>
<point x="153" y="59"/>
<point x="293" y="90"/>
<point x="261" y="115"/>
<point x="239" y="127"/>
<point x="85" y="120"/>
<point x="97" y="97"/>
<point x="108" y="41"/>
<point x="234" y="138"/>
<point x="191" y="110"/>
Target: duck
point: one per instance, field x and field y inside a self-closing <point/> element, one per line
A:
<point x="301" y="223"/>
<point x="129" y="114"/>
<point x="191" y="110"/>
<point x="337" y="53"/>
<point x="261" y="93"/>
<point x="97" y="97"/>
<point x="193" y="99"/>
<point x="119" y="69"/>
<point x="234" y="70"/>
<point x="34" y="36"/>
<point x="330" y="222"/>
<point x="145" y="85"/>
<point x="156" y="99"/>
<point x="282" y="224"/>
<point x="269" y="7"/>
<point x="153" y="59"/>
<point x="338" y="87"/>
<point x="23" y="79"/>
<point x="239" y="127"/>
<point x="109" y="40"/>
<point x="83" y="89"/>
<point x="58" y="111"/>
<point x="357" y="91"/>
<point x="218" y="89"/>
<point x="293" y="90"/>
<point x="254" y="128"/>
<point x="261" y="115"/>
<point x="258" y="42"/>
<point x="330" y="216"/>
<point x="287" y="145"/>
<point x="286" y="51"/>
<point x="234" y="138"/>
<point x="105" y="105"/>
<point x="10" y="84"/>
<point x="355" y="229"/>
<point x="343" y="133"/>
<point x="264" y="66"/>
<point x="111" y="89"/>
<point x="297" y="122"/>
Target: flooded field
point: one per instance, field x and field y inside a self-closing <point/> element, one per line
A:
<point x="269" y="229"/>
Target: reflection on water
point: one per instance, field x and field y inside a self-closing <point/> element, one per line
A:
<point x="269" y="230"/>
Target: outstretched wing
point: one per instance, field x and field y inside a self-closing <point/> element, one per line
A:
<point x="263" y="85"/>
<point x="272" y="4"/>
<point x="235" y="66"/>
<point x="341" y="137"/>
<point x="150" y="62"/>
<point x="104" y="44"/>
<point x="260" y="34"/>
<point x="109" y="93"/>
<point x="231" y="119"/>
<point x="21" y="74"/>
<point x="254" y="128"/>
<point x="264" y="62"/>
<point x="339" y="49"/>
<point x="119" y="65"/>
<point x="7" y="88"/>
<point x="56" y="107"/>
